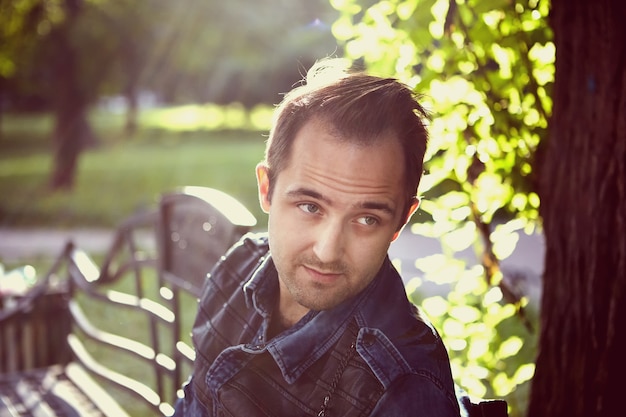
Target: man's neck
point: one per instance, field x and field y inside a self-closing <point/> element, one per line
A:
<point x="288" y="310"/>
<point x="286" y="313"/>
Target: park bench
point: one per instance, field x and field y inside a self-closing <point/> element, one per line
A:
<point x="90" y="329"/>
<point x="111" y="338"/>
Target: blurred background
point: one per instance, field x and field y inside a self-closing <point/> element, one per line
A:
<point x="107" y="104"/>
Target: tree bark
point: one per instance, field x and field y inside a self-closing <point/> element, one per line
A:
<point x="581" y="357"/>
<point x="72" y="132"/>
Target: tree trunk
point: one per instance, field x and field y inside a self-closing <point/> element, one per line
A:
<point x="581" y="358"/>
<point x="129" y="53"/>
<point x="132" y="112"/>
<point x="72" y="132"/>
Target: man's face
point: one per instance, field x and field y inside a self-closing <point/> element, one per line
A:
<point x="334" y="211"/>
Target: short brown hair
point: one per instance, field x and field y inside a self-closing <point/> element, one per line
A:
<point x="358" y="107"/>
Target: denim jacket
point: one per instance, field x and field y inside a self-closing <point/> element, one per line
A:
<point x="372" y="355"/>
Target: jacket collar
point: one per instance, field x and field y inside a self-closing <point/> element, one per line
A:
<point x="296" y="349"/>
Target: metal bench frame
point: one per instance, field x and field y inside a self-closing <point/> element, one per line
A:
<point x="46" y="368"/>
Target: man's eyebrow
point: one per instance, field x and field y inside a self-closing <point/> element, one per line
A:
<point x="369" y="205"/>
<point x="374" y="205"/>
<point x="307" y="192"/>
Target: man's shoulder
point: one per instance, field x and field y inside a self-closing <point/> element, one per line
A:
<point x="260" y="239"/>
<point x="400" y="323"/>
<point x="250" y="244"/>
<point x="245" y="255"/>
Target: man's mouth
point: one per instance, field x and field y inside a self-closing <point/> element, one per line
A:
<point x="322" y="275"/>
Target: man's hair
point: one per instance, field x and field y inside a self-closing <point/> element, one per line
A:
<point x="356" y="107"/>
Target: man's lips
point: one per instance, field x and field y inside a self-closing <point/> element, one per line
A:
<point x="321" y="275"/>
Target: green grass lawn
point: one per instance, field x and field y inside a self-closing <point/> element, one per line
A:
<point x="120" y="176"/>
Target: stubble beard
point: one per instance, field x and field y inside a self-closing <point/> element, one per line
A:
<point x="314" y="295"/>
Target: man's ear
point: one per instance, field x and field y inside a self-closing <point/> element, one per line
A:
<point x="263" y="182"/>
<point x="414" y="206"/>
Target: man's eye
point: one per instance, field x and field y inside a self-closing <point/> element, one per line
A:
<point x="367" y="220"/>
<point x="309" y="208"/>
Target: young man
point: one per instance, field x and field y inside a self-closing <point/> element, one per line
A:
<point x="313" y="319"/>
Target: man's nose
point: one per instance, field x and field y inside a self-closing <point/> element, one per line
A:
<point x="330" y="241"/>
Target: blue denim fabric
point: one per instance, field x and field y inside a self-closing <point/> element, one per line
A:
<point x="402" y="351"/>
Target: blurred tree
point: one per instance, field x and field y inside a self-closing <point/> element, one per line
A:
<point x="62" y="55"/>
<point x="224" y="52"/>
<point x="72" y="132"/>
<point x="38" y="38"/>
<point x="18" y="36"/>
<point x="49" y="64"/>
<point x="486" y="69"/>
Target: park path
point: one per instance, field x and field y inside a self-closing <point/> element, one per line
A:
<point x="24" y="244"/>
<point x="525" y="265"/>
